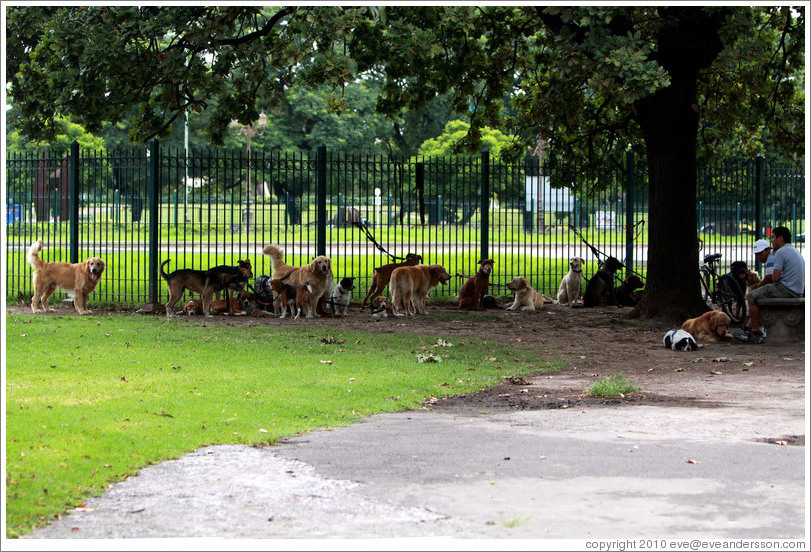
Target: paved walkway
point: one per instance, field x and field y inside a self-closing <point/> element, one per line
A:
<point x="627" y="472"/>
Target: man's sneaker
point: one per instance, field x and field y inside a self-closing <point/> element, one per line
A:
<point x="742" y="334"/>
<point x="755" y="337"/>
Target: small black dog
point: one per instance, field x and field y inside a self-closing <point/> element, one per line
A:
<point x="600" y="289"/>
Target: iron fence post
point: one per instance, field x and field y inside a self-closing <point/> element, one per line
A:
<point x="485" y="222"/>
<point x="74" y="202"/>
<point x="759" y="162"/>
<point x="629" y="213"/>
<point x="154" y="219"/>
<point x="321" y="200"/>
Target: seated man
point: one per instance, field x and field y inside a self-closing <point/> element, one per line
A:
<point x="788" y="280"/>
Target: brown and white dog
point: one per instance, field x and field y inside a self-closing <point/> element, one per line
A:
<point x="711" y="325"/>
<point x="569" y="290"/>
<point x="293" y="298"/>
<point x="80" y="279"/>
<point x="409" y="287"/>
<point x="526" y="298"/>
<point x="380" y="307"/>
<point x="382" y="275"/>
<point x="316" y="275"/>
<point x="472" y="292"/>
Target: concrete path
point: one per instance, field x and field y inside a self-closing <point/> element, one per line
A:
<point x="627" y="472"/>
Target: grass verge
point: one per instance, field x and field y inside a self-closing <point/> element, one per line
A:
<point x="615" y="385"/>
<point x="92" y="400"/>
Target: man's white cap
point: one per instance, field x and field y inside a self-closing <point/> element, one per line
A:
<point x="760" y="245"/>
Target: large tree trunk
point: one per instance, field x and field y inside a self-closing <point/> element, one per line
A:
<point x="669" y="122"/>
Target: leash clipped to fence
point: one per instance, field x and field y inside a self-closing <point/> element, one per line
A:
<point x="596" y="252"/>
<point x="371" y="238"/>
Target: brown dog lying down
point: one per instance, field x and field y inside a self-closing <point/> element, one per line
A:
<point x="472" y="292"/>
<point x="526" y="298"/>
<point x="625" y="294"/>
<point x="711" y="325"/>
<point x="296" y="298"/>
<point x="382" y="275"/>
<point x="80" y="279"/>
<point x="409" y="287"/>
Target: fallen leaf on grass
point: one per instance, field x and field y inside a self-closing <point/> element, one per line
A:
<point x="325" y="361"/>
<point x="490" y="358"/>
<point x="442" y="343"/>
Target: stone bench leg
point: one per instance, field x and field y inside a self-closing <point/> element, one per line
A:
<point x="783" y="322"/>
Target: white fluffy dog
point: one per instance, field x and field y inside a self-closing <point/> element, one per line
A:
<point x="569" y="290"/>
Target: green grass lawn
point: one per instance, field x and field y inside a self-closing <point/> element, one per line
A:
<point x="91" y="400"/>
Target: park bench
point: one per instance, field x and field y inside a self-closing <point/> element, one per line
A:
<point x="783" y="318"/>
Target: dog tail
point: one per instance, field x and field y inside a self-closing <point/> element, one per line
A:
<point x="33" y="255"/>
<point x="162" y="273"/>
<point x="276" y="256"/>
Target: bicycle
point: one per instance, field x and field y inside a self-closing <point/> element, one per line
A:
<point x="722" y="291"/>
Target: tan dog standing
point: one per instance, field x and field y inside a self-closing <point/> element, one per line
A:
<point x="316" y="275"/>
<point x="472" y="292"/>
<point x="78" y="278"/>
<point x="409" y="287"/>
<point x="526" y="298"/>
<point x="382" y="275"/>
<point x="711" y="325"/>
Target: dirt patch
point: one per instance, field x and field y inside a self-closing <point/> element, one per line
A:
<point x="591" y="344"/>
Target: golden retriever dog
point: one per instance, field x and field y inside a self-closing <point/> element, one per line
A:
<point x="569" y="290"/>
<point x="382" y="275"/>
<point x="409" y="287"/>
<point x="316" y="275"/>
<point x="526" y="298"/>
<point x="78" y="278"/>
<point x="711" y="325"/>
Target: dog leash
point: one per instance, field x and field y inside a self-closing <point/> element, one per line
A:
<point x="372" y="239"/>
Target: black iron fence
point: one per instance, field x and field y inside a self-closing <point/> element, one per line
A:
<point x="138" y="207"/>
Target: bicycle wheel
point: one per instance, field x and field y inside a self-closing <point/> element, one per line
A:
<point x="705" y="278"/>
<point x="733" y="302"/>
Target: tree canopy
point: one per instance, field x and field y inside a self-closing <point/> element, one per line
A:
<point x="671" y="82"/>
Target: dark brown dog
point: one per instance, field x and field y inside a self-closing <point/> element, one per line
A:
<point x="473" y="291"/>
<point x="206" y="283"/>
<point x="625" y="294"/>
<point x="293" y="297"/>
<point x="382" y="275"/>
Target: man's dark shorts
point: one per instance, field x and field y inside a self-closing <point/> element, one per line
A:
<point x="770" y="290"/>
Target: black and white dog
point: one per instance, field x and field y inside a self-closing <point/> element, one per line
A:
<point x="679" y="340"/>
<point x="341" y="295"/>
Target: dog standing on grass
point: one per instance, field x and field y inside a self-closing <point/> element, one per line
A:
<point x="80" y="279"/>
